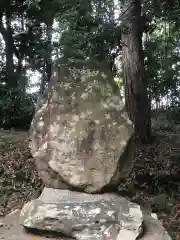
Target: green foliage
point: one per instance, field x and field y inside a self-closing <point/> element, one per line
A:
<point x="173" y="114"/>
<point x="32" y="3"/>
<point x="163" y="63"/>
<point x="91" y="31"/>
<point x="88" y="29"/>
<point x="16" y="109"/>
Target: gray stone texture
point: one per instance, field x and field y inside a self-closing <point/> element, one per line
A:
<point x="81" y="215"/>
<point x="81" y="132"/>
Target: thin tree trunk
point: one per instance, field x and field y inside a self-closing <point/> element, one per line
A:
<point x="42" y="83"/>
<point x="7" y="35"/>
<point x="9" y="48"/>
<point x="135" y="81"/>
<point x="46" y="76"/>
<point x="49" y="48"/>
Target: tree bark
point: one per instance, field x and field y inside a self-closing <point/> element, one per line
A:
<point x="12" y="81"/>
<point x="135" y="81"/>
<point x="7" y="34"/>
<point x="43" y="82"/>
<point x="46" y="76"/>
<point x="49" y="48"/>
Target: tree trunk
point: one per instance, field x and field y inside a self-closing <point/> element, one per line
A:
<point x="42" y="83"/>
<point x="12" y="81"/>
<point x="7" y="35"/>
<point x="135" y="81"/>
<point x="46" y="76"/>
<point x="49" y="48"/>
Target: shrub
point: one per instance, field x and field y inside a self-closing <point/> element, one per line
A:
<point x="16" y="109"/>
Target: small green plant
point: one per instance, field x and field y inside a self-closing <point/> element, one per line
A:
<point x="16" y="109"/>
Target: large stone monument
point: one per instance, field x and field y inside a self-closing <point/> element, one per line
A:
<point x="82" y="146"/>
<point x="80" y="130"/>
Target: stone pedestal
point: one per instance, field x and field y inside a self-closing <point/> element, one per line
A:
<point x="90" y="217"/>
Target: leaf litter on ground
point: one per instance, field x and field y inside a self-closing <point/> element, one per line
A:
<point x="19" y="180"/>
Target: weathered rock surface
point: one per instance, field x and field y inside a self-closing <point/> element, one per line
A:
<point x="80" y="130"/>
<point x="83" y="216"/>
<point x="12" y="230"/>
<point x="91" y="217"/>
<point x="153" y="229"/>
